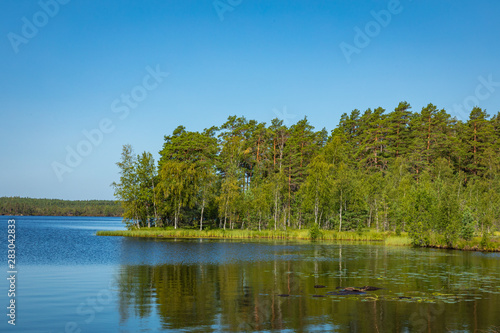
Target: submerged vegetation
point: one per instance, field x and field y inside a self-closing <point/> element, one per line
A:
<point x="422" y="174"/>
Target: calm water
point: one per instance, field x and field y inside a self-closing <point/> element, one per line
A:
<point x="70" y="280"/>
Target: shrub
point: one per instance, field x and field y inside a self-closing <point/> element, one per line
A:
<point x="419" y="235"/>
<point x="467" y="227"/>
<point x="315" y="232"/>
<point x="398" y="230"/>
<point x="450" y="235"/>
<point x="484" y="241"/>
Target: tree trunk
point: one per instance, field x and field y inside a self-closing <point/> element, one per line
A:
<point x="177" y="213"/>
<point x="386" y="222"/>
<point x="289" y="215"/>
<point x="225" y="217"/>
<point x="300" y="219"/>
<point x="275" y="210"/>
<point x="289" y="183"/>
<point x="316" y="208"/>
<point x="201" y="218"/>
<point x="154" y="202"/>
<point x="340" y="212"/>
<point x="274" y="153"/>
<point x="429" y="138"/>
<point x="370" y="217"/>
<point x="258" y="149"/>
<point x="147" y="216"/>
<point x="136" y="217"/>
<point x="475" y="140"/>
<point x="260" y="219"/>
<point x="284" y="219"/>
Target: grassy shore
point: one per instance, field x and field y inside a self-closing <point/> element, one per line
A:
<point x="489" y="244"/>
<point x="492" y="244"/>
<point x="371" y="235"/>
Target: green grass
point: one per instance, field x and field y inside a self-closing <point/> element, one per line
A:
<point x="389" y="238"/>
<point x="475" y="244"/>
<point x="240" y="234"/>
<point x="402" y="240"/>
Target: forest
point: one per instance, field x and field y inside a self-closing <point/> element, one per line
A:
<point x="416" y="172"/>
<point x="55" y="207"/>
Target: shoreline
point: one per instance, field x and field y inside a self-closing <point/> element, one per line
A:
<point x="302" y="234"/>
<point x="388" y="238"/>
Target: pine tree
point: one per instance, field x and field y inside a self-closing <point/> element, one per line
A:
<point x="372" y="139"/>
<point x="478" y="138"/>
<point x="398" y="131"/>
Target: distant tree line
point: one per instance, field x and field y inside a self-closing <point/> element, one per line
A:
<point x="419" y="172"/>
<point x="54" y="207"/>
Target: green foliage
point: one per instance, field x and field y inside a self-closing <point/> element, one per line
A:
<point x="359" y="229"/>
<point x="55" y="207"/>
<point x="419" y="235"/>
<point x="398" y="230"/>
<point x="317" y="188"/>
<point x="398" y="241"/>
<point x="484" y="241"/>
<point x="468" y="224"/>
<point x="399" y="171"/>
<point x="303" y="234"/>
<point x="450" y="235"/>
<point x="314" y="232"/>
<point x="136" y="189"/>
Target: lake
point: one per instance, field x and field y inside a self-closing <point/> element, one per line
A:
<point x="69" y="280"/>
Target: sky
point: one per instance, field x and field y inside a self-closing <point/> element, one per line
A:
<point x="80" y="79"/>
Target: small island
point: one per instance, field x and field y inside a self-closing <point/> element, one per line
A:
<point x="406" y="178"/>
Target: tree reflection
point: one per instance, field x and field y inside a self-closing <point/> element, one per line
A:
<point x="278" y="294"/>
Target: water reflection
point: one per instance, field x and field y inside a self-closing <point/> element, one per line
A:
<point x="423" y="290"/>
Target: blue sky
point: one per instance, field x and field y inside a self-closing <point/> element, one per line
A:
<point x="259" y="59"/>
